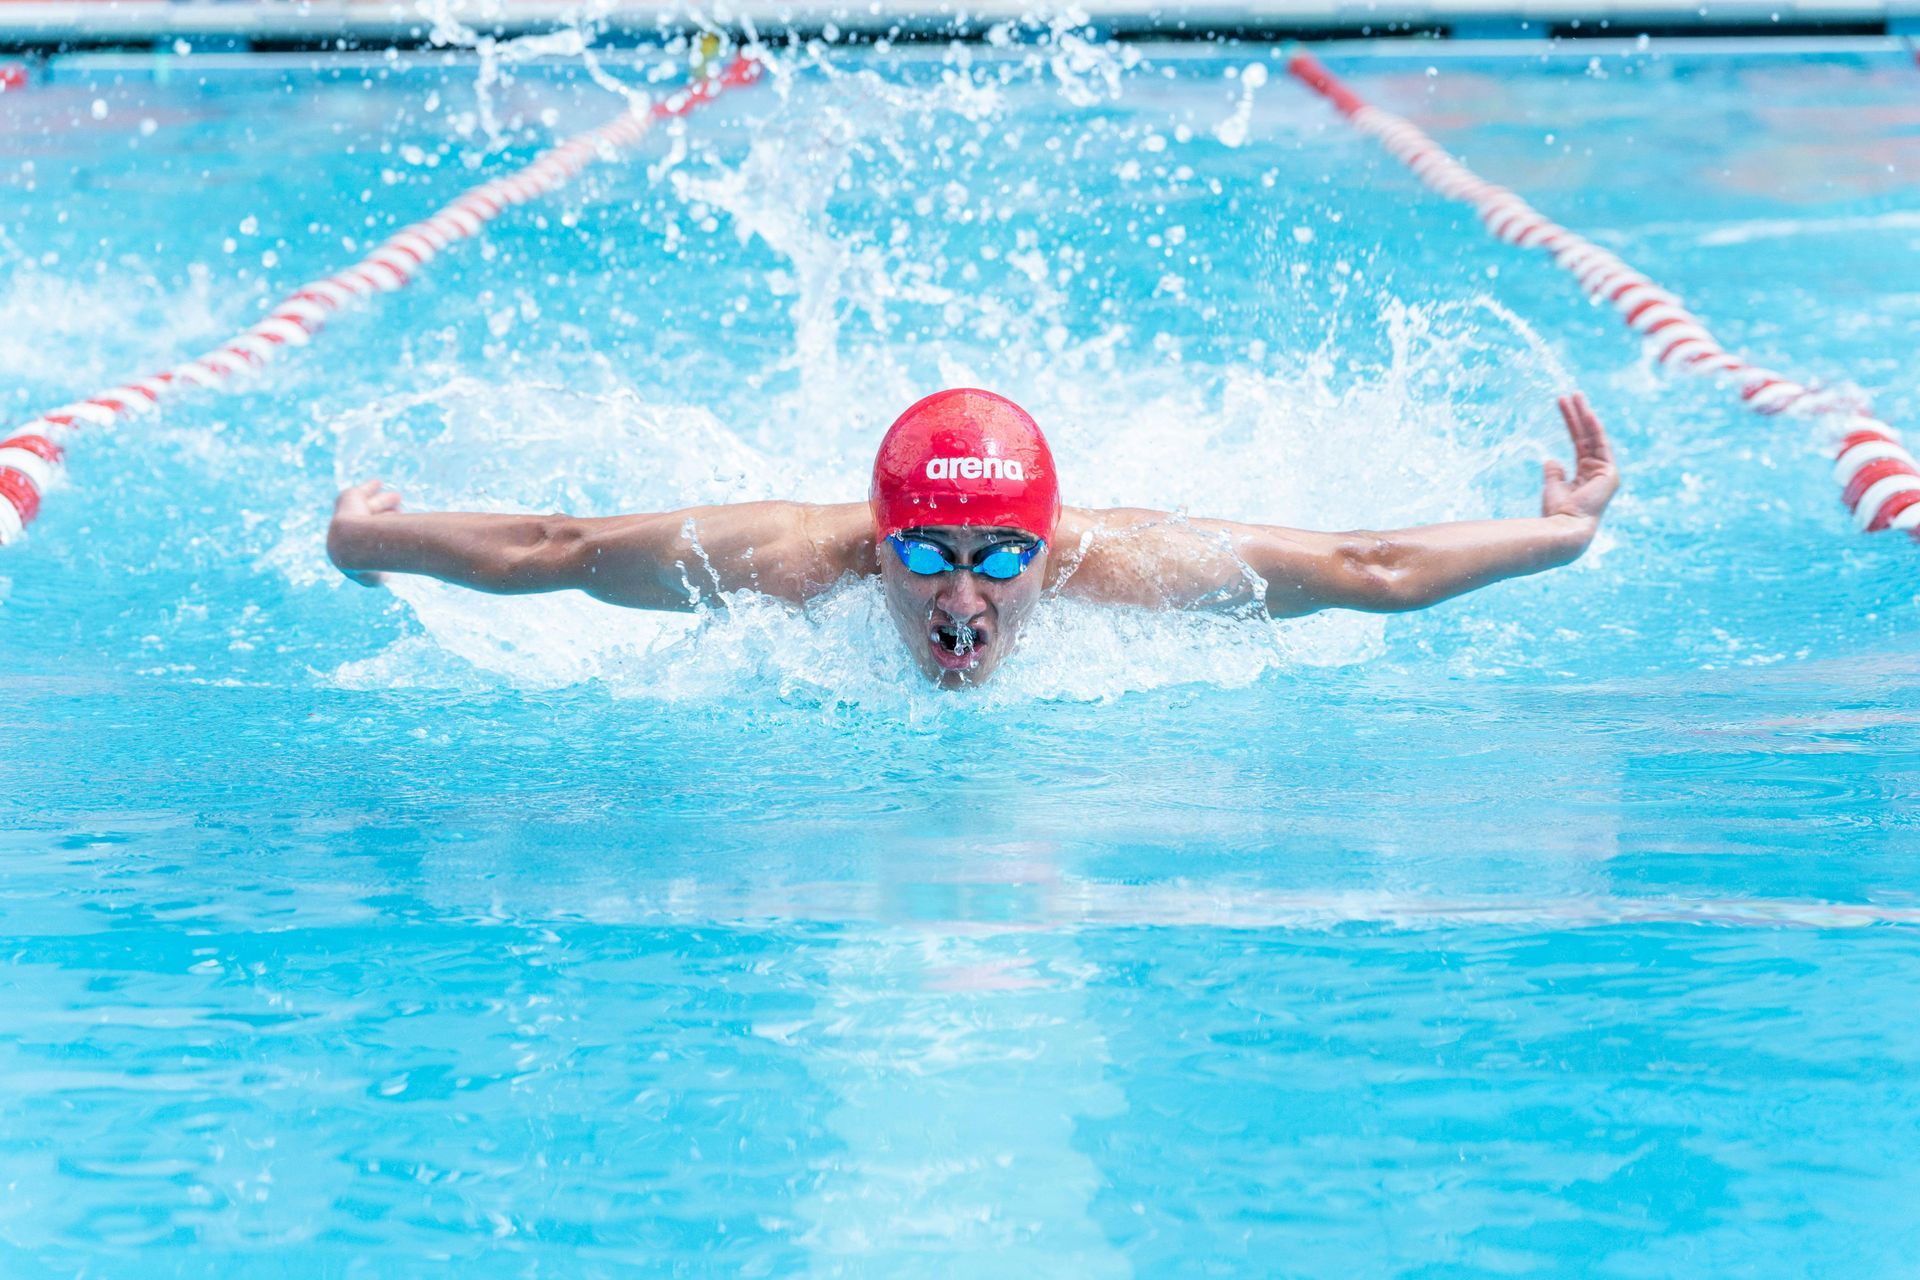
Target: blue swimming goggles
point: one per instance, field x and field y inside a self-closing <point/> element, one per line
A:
<point x="1001" y="562"/>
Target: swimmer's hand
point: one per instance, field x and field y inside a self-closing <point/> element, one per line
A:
<point x="1595" y="479"/>
<point x="353" y="515"/>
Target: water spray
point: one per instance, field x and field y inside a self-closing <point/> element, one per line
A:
<point x="1879" y="478"/>
<point x="31" y="455"/>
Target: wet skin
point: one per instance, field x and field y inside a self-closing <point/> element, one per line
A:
<point x="960" y="625"/>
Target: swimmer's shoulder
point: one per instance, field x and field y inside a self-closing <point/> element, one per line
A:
<point x="1084" y="531"/>
<point x="1093" y="554"/>
<point x="839" y="539"/>
<point x="1147" y="558"/>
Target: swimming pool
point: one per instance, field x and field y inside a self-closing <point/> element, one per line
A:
<point x="1569" y="926"/>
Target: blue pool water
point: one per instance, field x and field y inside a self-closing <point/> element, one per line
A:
<point x="1569" y="928"/>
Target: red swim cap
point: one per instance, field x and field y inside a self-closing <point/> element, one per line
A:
<point x="965" y="457"/>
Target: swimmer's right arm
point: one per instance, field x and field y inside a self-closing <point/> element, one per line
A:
<point x="668" y="560"/>
<point x="1161" y="560"/>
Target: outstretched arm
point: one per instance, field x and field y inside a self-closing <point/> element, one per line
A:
<point x="669" y="560"/>
<point x="1154" y="559"/>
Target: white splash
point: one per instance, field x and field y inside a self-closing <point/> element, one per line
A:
<point x="1310" y="439"/>
<point x="449" y="29"/>
<point x="1298" y="448"/>
<point x="1233" y="130"/>
<point x="104" y="326"/>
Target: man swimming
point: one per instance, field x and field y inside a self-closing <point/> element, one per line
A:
<point x="964" y="528"/>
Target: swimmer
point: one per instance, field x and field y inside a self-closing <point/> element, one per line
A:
<point x="964" y="528"/>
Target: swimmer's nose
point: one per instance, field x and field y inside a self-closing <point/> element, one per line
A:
<point x="961" y="599"/>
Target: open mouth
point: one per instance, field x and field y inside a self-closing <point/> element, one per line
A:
<point x="957" y="646"/>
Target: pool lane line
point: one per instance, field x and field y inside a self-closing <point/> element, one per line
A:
<point x="30" y="456"/>
<point x="1879" y="479"/>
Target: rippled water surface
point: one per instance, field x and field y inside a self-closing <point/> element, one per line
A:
<point x="1568" y="928"/>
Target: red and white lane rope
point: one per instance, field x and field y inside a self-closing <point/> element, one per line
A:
<point x="30" y="455"/>
<point x="1879" y="479"/>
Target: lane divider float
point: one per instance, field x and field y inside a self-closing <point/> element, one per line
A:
<point x="1879" y="479"/>
<point x="30" y="455"/>
<point x="13" y="75"/>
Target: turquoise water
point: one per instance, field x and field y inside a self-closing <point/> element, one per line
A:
<point x="1568" y="928"/>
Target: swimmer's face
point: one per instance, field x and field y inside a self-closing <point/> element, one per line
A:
<point x="960" y="625"/>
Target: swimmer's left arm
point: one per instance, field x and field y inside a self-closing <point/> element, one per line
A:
<point x="1153" y="559"/>
<point x="1398" y="570"/>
